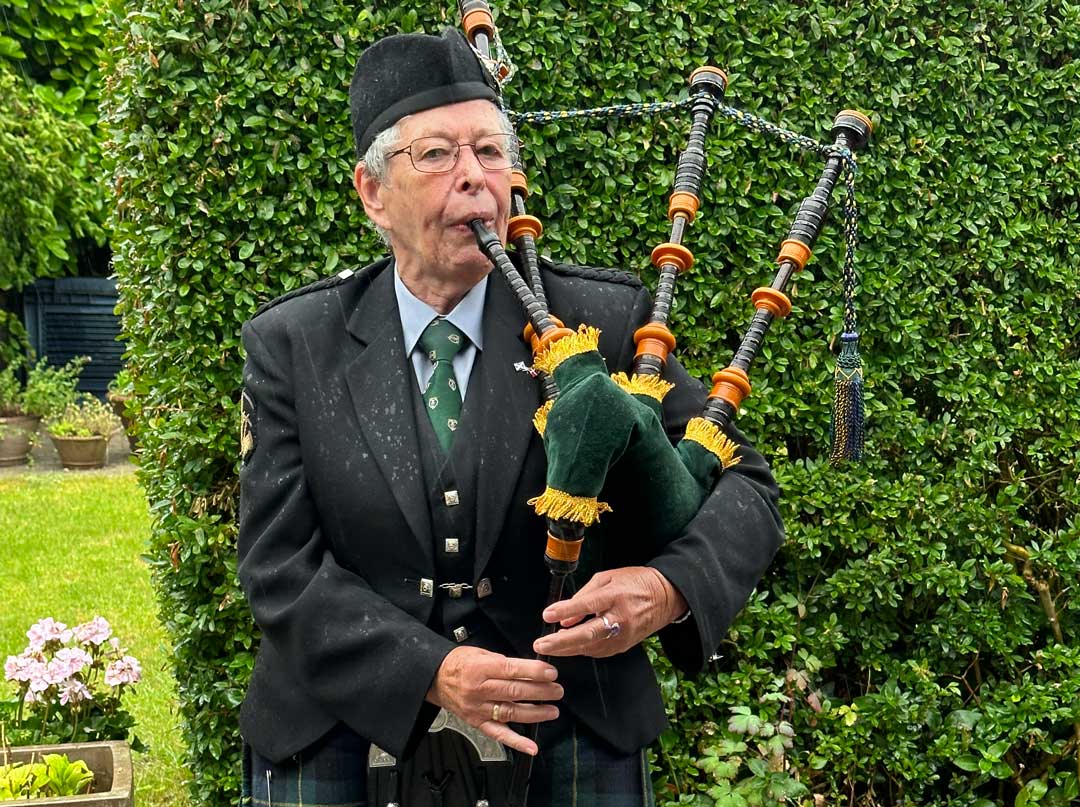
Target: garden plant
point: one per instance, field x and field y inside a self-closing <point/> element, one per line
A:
<point x="53" y="776"/>
<point x="69" y="684"/>
<point x="916" y="641"/>
<point x="85" y="417"/>
<point x="48" y="389"/>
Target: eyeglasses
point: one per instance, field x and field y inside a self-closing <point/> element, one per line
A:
<point x="437" y="155"/>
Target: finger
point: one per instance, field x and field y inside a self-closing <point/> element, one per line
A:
<point x="525" y="669"/>
<point x="590" y="599"/>
<point x="569" y="622"/>
<point x="580" y="640"/>
<point x="524" y="712"/>
<point x="508" y="737"/>
<point x="520" y="690"/>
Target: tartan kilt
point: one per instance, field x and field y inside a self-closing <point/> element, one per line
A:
<point x="574" y="769"/>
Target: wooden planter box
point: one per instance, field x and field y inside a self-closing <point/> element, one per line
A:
<point x="79" y="453"/>
<point x="110" y="762"/>
<point x="16" y="434"/>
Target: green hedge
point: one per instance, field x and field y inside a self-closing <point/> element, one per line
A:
<point x="916" y="640"/>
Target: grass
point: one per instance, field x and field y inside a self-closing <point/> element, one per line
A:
<point x="71" y="546"/>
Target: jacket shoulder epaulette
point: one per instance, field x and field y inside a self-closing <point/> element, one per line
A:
<point x="318" y="285"/>
<point x="595" y="273"/>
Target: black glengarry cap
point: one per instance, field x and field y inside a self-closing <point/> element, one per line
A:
<point x="408" y="73"/>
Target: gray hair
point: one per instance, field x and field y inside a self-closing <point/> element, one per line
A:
<point x="377" y="166"/>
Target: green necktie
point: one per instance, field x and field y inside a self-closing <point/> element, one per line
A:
<point x="441" y="341"/>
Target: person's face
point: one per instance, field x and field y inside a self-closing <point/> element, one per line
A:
<point x="427" y="215"/>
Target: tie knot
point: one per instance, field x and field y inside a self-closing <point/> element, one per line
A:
<point x="441" y="340"/>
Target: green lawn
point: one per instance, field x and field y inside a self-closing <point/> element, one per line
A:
<point x="71" y="545"/>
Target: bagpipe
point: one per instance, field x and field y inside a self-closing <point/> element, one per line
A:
<point x="593" y="422"/>
<point x="597" y="426"/>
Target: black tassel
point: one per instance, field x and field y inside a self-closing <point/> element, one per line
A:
<point x="847" y="434"/>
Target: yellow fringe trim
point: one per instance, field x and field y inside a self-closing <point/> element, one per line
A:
<point x="587" y="338"/>
<point x="709" y="436"/>
<point x="652" y="386"/>
<point x="562" y="506"/>
<point x="541" y="416"/>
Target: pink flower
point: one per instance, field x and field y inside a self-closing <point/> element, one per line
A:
<point x="39" y="677"/>
<point x="17" y="668"/>
<point x="67" y="662"/>
<point x="123" y="671"/>
<point x="74" y="691"/>
<point x="47" y="630"/>
<point x="96" y="632"/>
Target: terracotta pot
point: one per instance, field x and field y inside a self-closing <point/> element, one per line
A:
<point x="80" y="453"/>
<point x="16" y="436"/>
<point x="110" y="762"/>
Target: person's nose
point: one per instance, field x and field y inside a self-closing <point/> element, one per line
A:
<point x="470" y="174"/>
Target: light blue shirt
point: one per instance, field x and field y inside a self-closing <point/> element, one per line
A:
<point x="467" y="317"/>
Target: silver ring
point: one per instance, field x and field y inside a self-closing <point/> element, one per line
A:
<point x="613" y="628"/>
<point x="495" y="713"/>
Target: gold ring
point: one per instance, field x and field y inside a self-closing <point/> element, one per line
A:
<point x="495" y="713"/>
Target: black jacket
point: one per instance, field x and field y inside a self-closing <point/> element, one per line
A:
<point x="335" y="526"/>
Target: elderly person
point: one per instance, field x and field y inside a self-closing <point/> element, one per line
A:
<point x="386" y="547"/>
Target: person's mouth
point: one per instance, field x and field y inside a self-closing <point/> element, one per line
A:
<point x="463" y="224"/>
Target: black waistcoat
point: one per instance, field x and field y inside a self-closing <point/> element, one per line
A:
<point x="451" y="485"/>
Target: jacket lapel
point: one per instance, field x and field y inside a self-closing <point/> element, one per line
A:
<point x="507" y="426"/>
<point x="379" y="380"/>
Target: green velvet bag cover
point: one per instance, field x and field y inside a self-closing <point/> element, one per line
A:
<point x="595" y="426"/>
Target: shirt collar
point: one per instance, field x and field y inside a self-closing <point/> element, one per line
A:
<point x="415" y="314"/>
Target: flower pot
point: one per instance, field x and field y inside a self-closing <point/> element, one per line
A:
<point x="16" y="439"/>
<point x="79" y="453"/>
<point x="110" y="762"/>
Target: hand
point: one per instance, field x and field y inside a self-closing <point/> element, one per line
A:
<point x="638" y="598"/>
<point x="470" y="682"/>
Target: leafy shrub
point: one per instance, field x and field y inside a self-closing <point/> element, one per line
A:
<point x="918" y="631"/>
<point x="48" y="389"/>
<point x="52" y="198"/>
<point x="48" y="196"/>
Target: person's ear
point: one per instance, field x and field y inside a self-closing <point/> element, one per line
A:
<point x="371" y="190"/>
